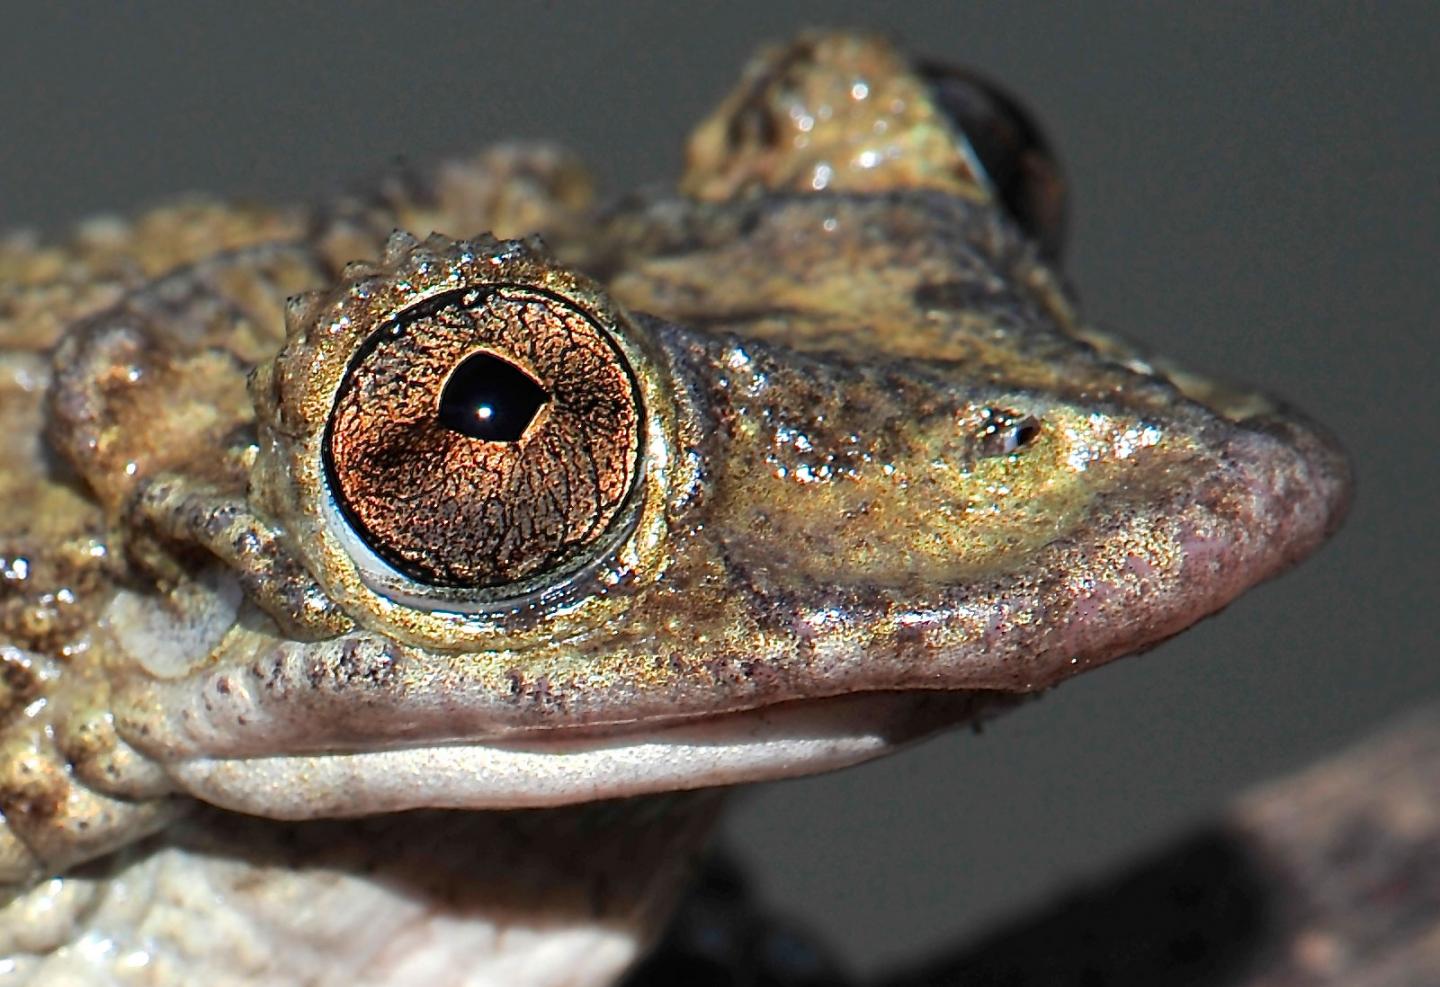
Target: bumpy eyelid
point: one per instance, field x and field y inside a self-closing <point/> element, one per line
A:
<point x="843" y="112"/>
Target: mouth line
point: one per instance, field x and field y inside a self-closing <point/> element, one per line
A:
<point x="782" y="740"/>
<point x="860" y="708"/>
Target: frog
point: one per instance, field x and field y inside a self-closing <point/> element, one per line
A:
<point x="393" y="587"/>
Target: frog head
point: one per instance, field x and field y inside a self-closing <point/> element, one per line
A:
<point x="763" y="478"/>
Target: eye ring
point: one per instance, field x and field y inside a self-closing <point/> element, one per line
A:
<point x="442" y="514"/>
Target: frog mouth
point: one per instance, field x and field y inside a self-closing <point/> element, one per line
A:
<point x="782" y="740"/>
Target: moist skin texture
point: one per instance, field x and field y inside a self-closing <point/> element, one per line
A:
<point x="821" y="459"/>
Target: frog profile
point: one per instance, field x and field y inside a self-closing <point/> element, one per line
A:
<point x="329" y="538"/>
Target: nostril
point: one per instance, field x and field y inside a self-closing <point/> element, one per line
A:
<point x="1003" y="432"/>
<point x="1022" y="434"/>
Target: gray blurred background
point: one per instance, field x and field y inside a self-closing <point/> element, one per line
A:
<point x="1254" y="191"/>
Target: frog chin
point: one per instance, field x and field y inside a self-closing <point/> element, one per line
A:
<point x="785" y="740"/>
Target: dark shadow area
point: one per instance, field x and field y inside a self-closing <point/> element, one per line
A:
<point x="1199" y="914"/>
<point x="721" y="936"/>
<point x="1196" y="915"/>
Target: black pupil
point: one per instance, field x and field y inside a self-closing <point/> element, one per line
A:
<point x="490" y="398"/>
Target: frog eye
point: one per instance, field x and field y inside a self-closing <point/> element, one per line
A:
<point x="1008" y="145"/>
<point x="484" y="438"/>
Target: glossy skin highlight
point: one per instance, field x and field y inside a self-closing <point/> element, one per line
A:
<point x="873" y="477"/>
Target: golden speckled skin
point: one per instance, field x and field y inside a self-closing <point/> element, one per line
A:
<point x="834" y="331"/>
